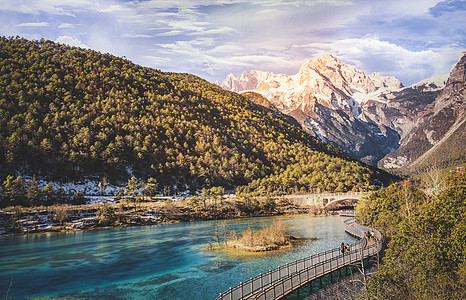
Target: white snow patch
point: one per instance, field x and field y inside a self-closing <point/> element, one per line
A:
<point x="315" y="127"/>
<point x="87" y="187"/>
<point x="362" y="97"/>
<point x="439" y="82"/>
<point x="429" y="135"/>
<point x="100" y="199"/>
<point x="395" y="162"/>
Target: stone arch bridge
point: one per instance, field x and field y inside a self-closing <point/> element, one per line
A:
<point x="325" y="200"/>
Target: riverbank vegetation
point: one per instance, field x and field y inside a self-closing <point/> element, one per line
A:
<point x="15" y="191"/>
<point x="127" y="211"/>
<point x="425" y="257"/>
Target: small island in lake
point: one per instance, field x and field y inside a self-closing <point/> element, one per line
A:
<point x="272" y="237"/>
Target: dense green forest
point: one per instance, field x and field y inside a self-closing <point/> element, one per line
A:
<point x="68" y="113"/>
<point x="426" y="253"/>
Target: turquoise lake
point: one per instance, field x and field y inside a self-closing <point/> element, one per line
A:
<point x="149" y="262"/>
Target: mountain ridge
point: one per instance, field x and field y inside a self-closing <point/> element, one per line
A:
<point x="367" y="116"/>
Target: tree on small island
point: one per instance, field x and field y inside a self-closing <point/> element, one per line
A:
<point x="272" y="237"/>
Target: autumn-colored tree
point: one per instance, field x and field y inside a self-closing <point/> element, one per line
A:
<point x="106" y="214"/>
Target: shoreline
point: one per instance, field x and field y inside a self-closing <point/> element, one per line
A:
<point x="33" y="221"/>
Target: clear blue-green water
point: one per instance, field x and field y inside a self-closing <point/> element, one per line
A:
<point x="150" y="262"/>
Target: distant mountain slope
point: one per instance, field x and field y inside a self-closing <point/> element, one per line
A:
<point x="67" y="112"/>
<point x="401" y="109"/>
<point x="439" y="135"/>
<point x="367" y="116"/>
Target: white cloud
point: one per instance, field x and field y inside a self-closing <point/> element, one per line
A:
<point x="372" y="54"/>
<point x="108" y="8"/>
<point x="62" y="7"/>
<point x="225" y="49"/>
<point x="183" y="25"/>
<point x="397" y="9"/>
<point x="230" y="57"/>
<point x="66" y="25"/>
<point x="171" y="33"/>
<point x="68" y="40"/>
<point x="215" y="31"/>
<point x="262" y="60"/>
<point x="154" y="60"/>
<point x="36" y="7"/>
<point x="165" y="4"/>
<point x="144" y="36"/>
<point x="268" y="11"/>
<point x="38" y="24"/>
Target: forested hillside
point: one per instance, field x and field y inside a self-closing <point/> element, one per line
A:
<point x="68" y="113"/>
<point x="425" y="256"/>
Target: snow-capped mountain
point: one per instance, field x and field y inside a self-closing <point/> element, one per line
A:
<point x="328" y="98"/>
<point x="368" y="116"/>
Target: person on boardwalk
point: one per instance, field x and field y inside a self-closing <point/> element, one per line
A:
<point x="342" y="248"/>
<point x="366" y="238"/>
<point x="347" y="248"/>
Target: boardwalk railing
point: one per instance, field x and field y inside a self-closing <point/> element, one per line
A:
<point x="347" y="213"/>
<point x="282" y="280"/>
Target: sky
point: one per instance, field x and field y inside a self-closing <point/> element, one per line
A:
<point x="411" y="40"/>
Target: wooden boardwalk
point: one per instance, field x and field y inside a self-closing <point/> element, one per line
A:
<point x="282" y="280"/>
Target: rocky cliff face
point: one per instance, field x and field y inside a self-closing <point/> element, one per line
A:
<point x="438" y="135"/>
<point x="329" y="98"/>
<point x="402" y="109"/>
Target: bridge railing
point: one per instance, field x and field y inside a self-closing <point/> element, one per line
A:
<point x="293" y="281"/>
<point x="270" y="278"/>
<point x="325" y="195"/>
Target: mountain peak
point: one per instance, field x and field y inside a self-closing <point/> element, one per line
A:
<point x="231" y="76"/>
<point x="320" y="61"/>
<point x="326" y="57"/>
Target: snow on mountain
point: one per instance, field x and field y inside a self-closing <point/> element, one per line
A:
<point x="434" y="83"/>
<point x="385" y="82"/>
<point x="368" y="116"/>
<point x="325" y="96"/>
<point x="247" y="81"/>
